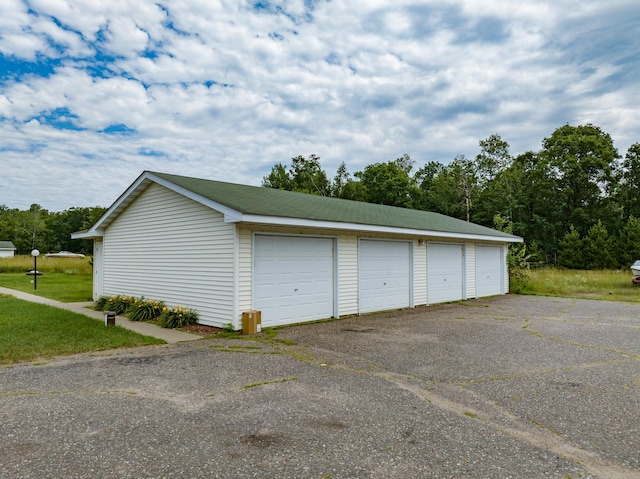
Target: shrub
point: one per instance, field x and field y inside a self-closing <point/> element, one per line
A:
<point x="145" y="309"/>
<point x="101" y="303"/>
<point x="118" y="304"/>
<point x="178" y="317"/>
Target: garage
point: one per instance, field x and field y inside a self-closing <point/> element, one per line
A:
<point x="384" y="275"/>
<point x="223" y="249"/>
<point x="445" y="272"/>
<point x="293" y="278"/>
<point x="489" y="270"/>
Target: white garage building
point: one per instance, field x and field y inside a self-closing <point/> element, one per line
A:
<point x="7" y="249"/>
<point x="223" y="249"/>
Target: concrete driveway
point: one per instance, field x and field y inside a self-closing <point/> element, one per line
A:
<point x="509" y="387"/>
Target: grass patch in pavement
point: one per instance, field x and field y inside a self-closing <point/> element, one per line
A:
<point x="31" y="331"/>
<point x="64" y="287"/>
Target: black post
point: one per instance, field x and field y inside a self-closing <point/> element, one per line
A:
<point x="35" y="272"/>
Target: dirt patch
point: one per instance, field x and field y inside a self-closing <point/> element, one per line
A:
<point x="202" y="330"/>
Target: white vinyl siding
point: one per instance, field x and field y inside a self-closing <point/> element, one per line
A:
<point x="168" y="247"/>
<point x="245" y="274"/>
<point x="98" y="268"/>
<point x="505" y="266"/>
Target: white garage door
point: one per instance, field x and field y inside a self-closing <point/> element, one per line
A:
<point x="384" y="275"/>
<point x="489" y="270"/>
<point x="445" y="272"/>
<point x="293" y="279"/>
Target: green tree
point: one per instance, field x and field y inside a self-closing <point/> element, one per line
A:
<point x="460" y="175"/>
<point x="499" y="182"/>
<point x="628" y="192"/>
<point x="305" y="175"/>
<point x="340" y="180"/>
<point x="598" y="248"/>
<point x="582" y="161"/>
<point x="494" y="158"/>
<point x="517" y="257"/>
<point x="59" y="227"/>
<point x="445" y="194"/>
<point x="628" y="249"/>
<point x="278" y="178"/>
<point x="570" y="254"/>
<point x="427" y="196"/>
<point x="389" y="183"/>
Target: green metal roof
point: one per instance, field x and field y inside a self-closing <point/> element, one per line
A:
<point x="259" y="201"/>
<point x="6" y="245"/>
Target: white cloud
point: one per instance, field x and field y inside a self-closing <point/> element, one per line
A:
<point x="225" y="89"/>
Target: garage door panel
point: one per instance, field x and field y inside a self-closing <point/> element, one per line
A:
<point x="489" y="270"/>
<point x="445" y="272"/>
<point x="293" y="279"/>
<point x="384" y="275"/>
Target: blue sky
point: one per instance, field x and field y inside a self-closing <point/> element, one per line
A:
<point x="93" y="92"/>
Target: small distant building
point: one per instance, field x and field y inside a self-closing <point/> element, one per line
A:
<point x="7" y="249"/>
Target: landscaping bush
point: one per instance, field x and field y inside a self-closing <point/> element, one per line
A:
<point x="141" y="309"/>
<point x="118" y="304"/>
<point x="178" y="317"/>
<point x="145" y="309"/>
<point x="101" y="303"/>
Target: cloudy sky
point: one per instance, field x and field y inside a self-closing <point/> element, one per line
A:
<point x="93" y="92"/>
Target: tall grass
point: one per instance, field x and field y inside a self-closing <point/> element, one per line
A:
<point x="23" y="263"/>
<point x="612" y="285"/>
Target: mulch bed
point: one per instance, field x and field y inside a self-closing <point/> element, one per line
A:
<point x="202" y="330"/>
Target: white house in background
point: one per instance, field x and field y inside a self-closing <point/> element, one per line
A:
<point x="7" y="249"/>
<point x="223" y="249"/>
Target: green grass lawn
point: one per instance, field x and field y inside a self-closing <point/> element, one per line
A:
<point x="69" y="280"/>
<point x="30" y="331"/>
<point x="64" y="287"/>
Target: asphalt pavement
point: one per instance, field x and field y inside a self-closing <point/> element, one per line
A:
<point x="507" y="387"/>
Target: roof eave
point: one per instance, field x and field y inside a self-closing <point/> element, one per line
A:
<point x="87" y="234"/>
<point x="299" y="222"/>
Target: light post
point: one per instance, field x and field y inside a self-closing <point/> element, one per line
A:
<point x="35" y="254"/>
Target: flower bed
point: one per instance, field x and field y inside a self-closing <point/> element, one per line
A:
<point x="141" y="309"/>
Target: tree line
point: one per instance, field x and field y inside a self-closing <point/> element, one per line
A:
<point x="576" y="201"/>
<point x="48" y="232"/>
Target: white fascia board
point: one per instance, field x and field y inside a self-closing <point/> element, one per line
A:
<point x="230" y="215"/>
<point x="87" y="234"/>
<point x="280" y="221"/>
